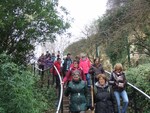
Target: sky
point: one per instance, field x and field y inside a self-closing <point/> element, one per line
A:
<point x="83" y="12"/>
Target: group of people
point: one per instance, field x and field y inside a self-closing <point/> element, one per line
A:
<point x="80" y="74"/>
<point x="46" y="62"/>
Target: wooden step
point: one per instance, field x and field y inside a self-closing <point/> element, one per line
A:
<point x="66" y="111"/>
<point x="66" y="102"/>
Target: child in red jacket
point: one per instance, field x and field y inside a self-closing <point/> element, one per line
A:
<point x="57" y="64"/>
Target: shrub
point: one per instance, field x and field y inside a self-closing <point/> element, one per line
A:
<point x="18" y="92"/>
<point x="139" y="77"/>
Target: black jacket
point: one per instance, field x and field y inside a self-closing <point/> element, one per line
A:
<point x="104" y="99"/>
<point x="66" y="64"/>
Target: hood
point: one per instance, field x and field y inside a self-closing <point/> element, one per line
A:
<point x="98" y="85"/>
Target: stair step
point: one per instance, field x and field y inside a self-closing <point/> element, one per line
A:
<point x="65" y="106"/>
<point x="66" y="111"/>
<point x="66" y="102"/>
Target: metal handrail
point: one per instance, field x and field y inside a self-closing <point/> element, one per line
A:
<point x="134" y="87"/>
<point x="61" y="86"/>
<point x="61" y="90"/>
<point x="38" y="68"/>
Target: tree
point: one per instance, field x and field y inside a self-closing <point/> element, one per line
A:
<point x="23" y="22"/>
<point x="125" y="16"/>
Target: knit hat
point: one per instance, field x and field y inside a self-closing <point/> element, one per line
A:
<point x="76" y="76"/>
<point x="76" y="72"/>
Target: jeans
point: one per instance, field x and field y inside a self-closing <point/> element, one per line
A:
<point x="88" y="79"/>
<point x="124" y="96"/>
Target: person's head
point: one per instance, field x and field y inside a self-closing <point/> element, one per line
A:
<point x="77" y="57"/>
<point x="83" y="56"/>
<point x="75" y="63"/>
<point x="68" y="55"/>
<point x="58" y="56"/>
<point x="47" y="53"/>
<point x="59" y="60"/>
<point x="97" y="61"/>
<point x="102" y="79"/>
<point x="42" y="54"/>
<point x="76" y="75"/>
<point x="118" y="67"/>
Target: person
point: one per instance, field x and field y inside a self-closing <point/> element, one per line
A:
<point x="118" y="82"/>
<point x="48" y="67"/>
<point x="77" y="57"/>
<point x="47" y="54"/>
<point x="77" y="89"/>
<point x="75" y="67"/>
<point x="41" y="64"/>
<point x="104" y="97"/>
<point x="56" y="79"/>
<point x="85" y="64"/>
<point x="58" y="54"/>
<point x="96" y="69"/>
<point x="57" y="64"/>
<point x="67" y="63"/>
<point x="53" y="57"/>
<point x="48" y="63"/>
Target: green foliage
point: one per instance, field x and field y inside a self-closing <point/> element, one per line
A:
<point x="140" y="78"/>
<point x="24" y="22"/>
<point x="18" y="91"/>
<point x="50" y="96"/>
<point x="117" y="49"/>
<point x="144" y="59"/>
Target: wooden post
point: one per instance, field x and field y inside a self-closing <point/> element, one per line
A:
<point x="92" y="98"/>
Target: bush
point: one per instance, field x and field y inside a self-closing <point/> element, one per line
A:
<point x="139" y="77"/>
<point x="17" y="89"/>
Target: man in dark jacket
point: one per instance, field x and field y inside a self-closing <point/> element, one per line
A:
<point x="67" y="63"/>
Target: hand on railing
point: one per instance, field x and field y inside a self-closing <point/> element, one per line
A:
<point x="62" y="83"/>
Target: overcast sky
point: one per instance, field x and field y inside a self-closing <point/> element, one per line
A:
<point x="83" y="12"/>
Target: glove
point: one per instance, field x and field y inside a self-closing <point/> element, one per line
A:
<point x="92" y="107"/>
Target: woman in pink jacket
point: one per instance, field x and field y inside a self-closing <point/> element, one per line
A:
<point x="85" y="64"/>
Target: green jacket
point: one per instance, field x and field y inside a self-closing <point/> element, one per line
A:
<point x="78" y="95"/>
